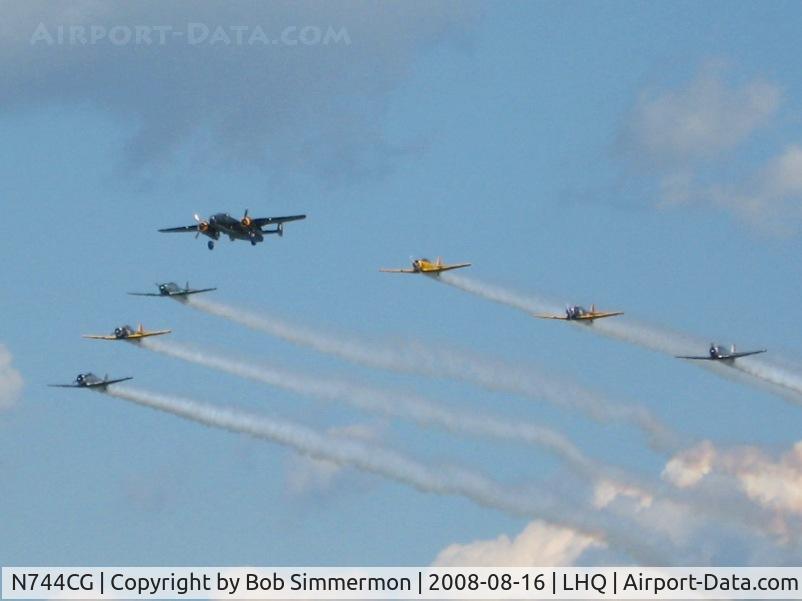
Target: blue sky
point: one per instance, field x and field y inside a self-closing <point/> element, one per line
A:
<point x="641" y="156"/>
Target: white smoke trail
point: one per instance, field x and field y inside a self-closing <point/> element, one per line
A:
<point x="783" y="380"/>
<point x="413" y="357"/>
<point x="428" y="412"/>
<point x="644" y="335"/>
<point x="384" y="462"/>
<point x="627" y="330"/>
<point x="527" y="303"/>
<point x="406" y="405"/>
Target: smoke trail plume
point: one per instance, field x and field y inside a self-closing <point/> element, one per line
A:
<point x="406" y="405"/>
<point x="644" y="335"/>
<point x="413" y="357"/>
<point x="626" y="330"/>
<point x="428" y="412"/>
<point x="384" y="462"/>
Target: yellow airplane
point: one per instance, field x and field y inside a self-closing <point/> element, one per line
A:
<point x="577" y="313"/>
<point x="427" y="266"/>
<point x="128" y="333"/>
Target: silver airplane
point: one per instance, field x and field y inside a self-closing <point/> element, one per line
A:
<point x="247" y="228"/>
<point x="173" y="290"/>
<point x="718" y="353"/>
<point x="90" y="380"/>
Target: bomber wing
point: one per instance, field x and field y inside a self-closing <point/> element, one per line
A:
<point x="260" y="222"/>
<point x="183" y="228"/>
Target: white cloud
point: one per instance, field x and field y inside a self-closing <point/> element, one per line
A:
<point x="772" y="200"/>
<point x="688" y="136"/>
<point x="772" y="483"/>
<point x="300" y="107"/>
<point x="701" y="120"/>
<point x="10" y="380"/>
<point x="689" y="467"/>
<point x="607" y="491"/>
<point x="540" y="544"/>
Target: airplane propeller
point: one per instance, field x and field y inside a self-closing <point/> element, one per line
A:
<point x="203" y="225"/>
<point x="246" y="221"/>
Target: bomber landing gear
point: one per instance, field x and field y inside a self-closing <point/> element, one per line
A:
<point x="210" y="244"/>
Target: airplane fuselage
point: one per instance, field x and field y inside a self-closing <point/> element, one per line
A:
<point x="233" y="228"/>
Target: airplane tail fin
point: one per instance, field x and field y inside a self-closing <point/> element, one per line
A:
<point x="593" y="308"/>
<point x="140" y="329"/>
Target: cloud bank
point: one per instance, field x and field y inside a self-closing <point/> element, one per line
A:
<point x="539" y="544"/>
<point x="690" y="137"/>
<point x="701" y="120"/>
<point x="308" y="93"/>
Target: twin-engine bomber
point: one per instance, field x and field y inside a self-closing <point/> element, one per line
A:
<point x="247" y="228"/>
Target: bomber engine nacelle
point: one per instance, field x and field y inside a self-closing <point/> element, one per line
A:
<point x="203" y="224"/>
<point x="246" y="221"/>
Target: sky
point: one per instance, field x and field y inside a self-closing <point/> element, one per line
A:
<point x="645" y="157"/>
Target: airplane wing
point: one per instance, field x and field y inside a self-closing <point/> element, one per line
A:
<point x="184" y="228"/>
<point x="450" y="267"/>
<point x="542" y="316"/>
<point x="138" y="335"/>
<point x="386" y="270"/>
<point x="188" y="292"/>
<point x="144" y="294"/>
<point x="600" y="315"/>
<point x="260" y="222"/>
<point x="99" y="337"/>
<point x="65" y="386"/>
<point x="726" y="357"/>
<point x="744" y="354"/>
<point x="107" y="382"/>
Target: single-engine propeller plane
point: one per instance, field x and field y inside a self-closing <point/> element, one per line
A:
<point x="247" y="228"/>
<point x="426" y="266"/>
<point x="173" y="290"/>
<point x="128" y="333"/>
<point x="90" y="380"/>
<point x="577" y="313"/>
<point x="718" y="353"/>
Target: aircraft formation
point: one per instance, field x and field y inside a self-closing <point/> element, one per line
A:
<point x="250" y="229"/>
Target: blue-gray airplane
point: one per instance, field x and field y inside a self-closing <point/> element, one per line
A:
<point x="90" y="380"/>
<point x="718" y="353"/>
<point x="247" y="228"/>
<point x="173" y="290"/>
